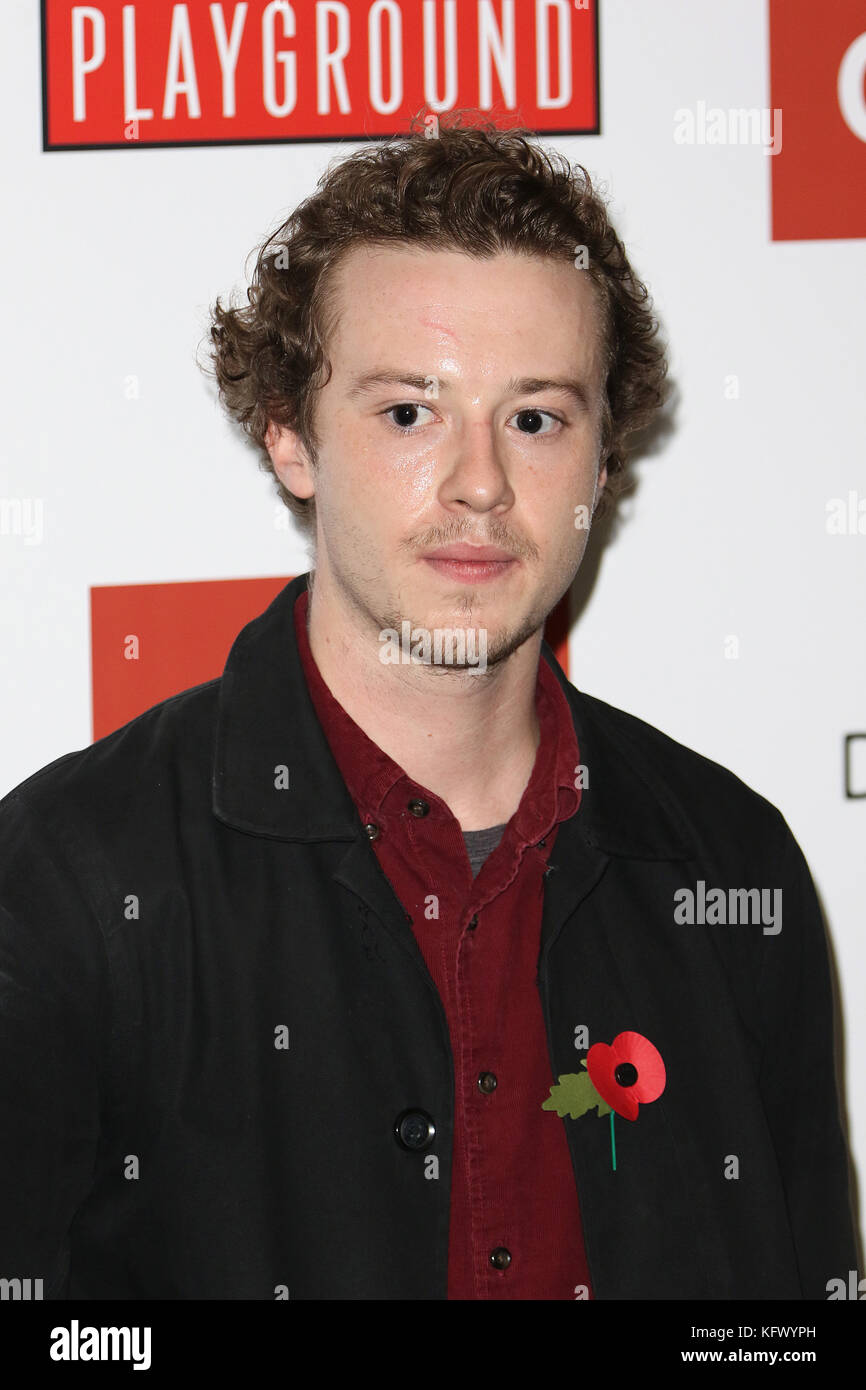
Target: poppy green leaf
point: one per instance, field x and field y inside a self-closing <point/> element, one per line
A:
<point x="574" y="1095"/>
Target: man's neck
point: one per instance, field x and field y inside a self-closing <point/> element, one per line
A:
<point x="469" y="738"/>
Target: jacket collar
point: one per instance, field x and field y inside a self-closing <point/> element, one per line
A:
<point x="274" y="774"/>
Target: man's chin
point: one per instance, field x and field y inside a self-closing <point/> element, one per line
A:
<point x="451" y="641"/>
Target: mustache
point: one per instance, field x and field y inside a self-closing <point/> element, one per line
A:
<point x="494" y="534"/>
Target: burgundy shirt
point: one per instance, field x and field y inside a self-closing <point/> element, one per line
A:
<point x="515" y="1229"/>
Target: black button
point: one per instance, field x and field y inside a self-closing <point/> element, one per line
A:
<point x="625" y="1074"/>
<point x="487" y="1082"/>
<point x="372" y="831"/>
<point x="500" y="1258"/>
<point x="419" y="808"/>
<point x="414" y="1129"/>
<point x="473" y="924"/>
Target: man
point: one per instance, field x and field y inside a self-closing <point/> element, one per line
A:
<point x="346" y="975"/>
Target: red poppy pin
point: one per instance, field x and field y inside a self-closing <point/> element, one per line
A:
<point x="619" y="1078"/>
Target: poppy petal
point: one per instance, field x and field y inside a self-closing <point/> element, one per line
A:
<point x="601" y="1062"/>
<point x="647" y="1061"/>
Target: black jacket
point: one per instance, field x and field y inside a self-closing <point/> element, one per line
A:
<point x="168" y="905"/>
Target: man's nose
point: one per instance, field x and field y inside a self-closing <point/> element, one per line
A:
<point x="476" y="474"/>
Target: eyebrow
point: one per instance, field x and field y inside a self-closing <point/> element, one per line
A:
<point x="517" y="386"/>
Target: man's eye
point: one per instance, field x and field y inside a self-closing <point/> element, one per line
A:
<point x="409" y="408"/>
<point x="533" y="415"/>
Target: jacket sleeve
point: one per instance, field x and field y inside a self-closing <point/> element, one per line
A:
<point x="53" y="991"/>
<point x="798" y="1081"/>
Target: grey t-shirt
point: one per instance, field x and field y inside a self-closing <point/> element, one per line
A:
<point x="480" y="843"/>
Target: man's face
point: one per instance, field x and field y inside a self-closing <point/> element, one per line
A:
<point x="474" y="514"/>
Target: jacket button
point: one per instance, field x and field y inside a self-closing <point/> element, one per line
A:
<point x="372" y="831"/>
<point x="414" y="1129"/>
<point x="487" y="1082"/>
<point x="500" y="1258"/>
<point x="419" y="808"/>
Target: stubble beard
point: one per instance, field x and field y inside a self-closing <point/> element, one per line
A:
<point x="462" y="605"/>
<point x="501" y="643"/>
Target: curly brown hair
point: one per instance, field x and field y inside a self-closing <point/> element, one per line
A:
<point x="472" y="188"/>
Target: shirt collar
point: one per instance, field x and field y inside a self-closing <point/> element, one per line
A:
<point x="274" y="773"/>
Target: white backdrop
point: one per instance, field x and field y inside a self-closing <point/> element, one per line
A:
<point x="111" y="258"/>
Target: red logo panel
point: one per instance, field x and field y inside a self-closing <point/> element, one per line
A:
<point x="118" y="75"/>
<point x="151" y="641"/>
<point x="817" y="75"/>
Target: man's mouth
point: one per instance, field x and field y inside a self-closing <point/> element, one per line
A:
<point x="471" y="564"/>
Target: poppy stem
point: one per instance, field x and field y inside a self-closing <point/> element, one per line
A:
<point x="612" y="1143"/>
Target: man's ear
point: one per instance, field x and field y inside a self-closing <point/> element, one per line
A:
<point x="600" y="485"/>
<point x="291" y="461"/>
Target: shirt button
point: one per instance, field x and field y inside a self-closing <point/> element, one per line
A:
<point x="500" y="1258"/>
<point x="419" y="808"/>
<point x="372" y="831"/>
<point x="487" y="1082"/>
<point x="414" y="1129"/>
